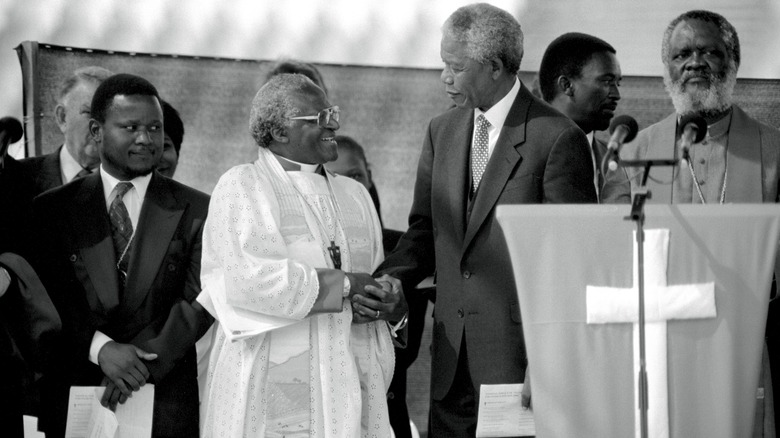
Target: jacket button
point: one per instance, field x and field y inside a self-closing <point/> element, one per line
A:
<point x="460" y="313"/>
<point x="171" y="267"/>
<point x="73" y="258"/>
<point x="466" y="274"/>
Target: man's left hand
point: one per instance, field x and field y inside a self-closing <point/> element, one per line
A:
<point x="387" y="302"/>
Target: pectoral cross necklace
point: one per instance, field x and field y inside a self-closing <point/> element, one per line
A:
<point x="335" y="254"/>
<point x="334" y="251"/>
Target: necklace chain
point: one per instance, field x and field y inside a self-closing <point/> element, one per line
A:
<point x="334" y="251"/>
<point x="698" y="186"/>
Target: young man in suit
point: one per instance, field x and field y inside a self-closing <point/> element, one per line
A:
<point x="78" y="155"/>
<point x="120" y="256"/>
<point x="579" y="76"/>
<point x="498" y="145"/>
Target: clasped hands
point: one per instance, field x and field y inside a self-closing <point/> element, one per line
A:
<point x="376" y="298"/>
<point x="125" y="371"/>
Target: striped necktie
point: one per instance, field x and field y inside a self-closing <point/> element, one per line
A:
<point x="121" y="227"/>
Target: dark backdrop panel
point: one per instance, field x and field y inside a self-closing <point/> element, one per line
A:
<point x="386" y="109"/>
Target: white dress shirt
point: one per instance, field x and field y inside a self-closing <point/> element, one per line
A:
<point x="133" y="200"/>
<point x="496" y="115"/>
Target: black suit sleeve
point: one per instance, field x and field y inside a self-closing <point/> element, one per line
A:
<point x="173" y="335"/>
<point x="568" y="176"/>
<point x="413" y="258"/>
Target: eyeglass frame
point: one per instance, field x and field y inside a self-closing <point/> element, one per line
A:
<point x="329" y="113"/>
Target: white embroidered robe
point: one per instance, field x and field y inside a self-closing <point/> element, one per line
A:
<point x="274" y="369"/>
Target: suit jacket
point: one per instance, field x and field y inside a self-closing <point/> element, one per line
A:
<point x="16" y="193"/>
<point x="616" y="188"/>
<point x="156" y="310"/>
<point x="44" y="170"/>
<point x="541" y="156"/>
<point x="753" y="159"/>
<point x="753" y="176"/>
<point x="28" y="323"/>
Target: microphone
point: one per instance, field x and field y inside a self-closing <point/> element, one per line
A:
<point x="694" y="129"/>
<point x="623" y="129"/>
<point x="10" y="132"/>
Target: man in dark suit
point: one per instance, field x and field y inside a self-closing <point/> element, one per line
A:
<point x="120" y="255"/>
<point x="78" y="155"/>
<point x="28" y="320"/>
<point x="579" y="76"/>
<point x="528" y="154"/>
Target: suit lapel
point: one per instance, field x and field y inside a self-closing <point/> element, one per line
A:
<point x="50" y="175"/>
<point x="159" y="218"/>
<point x="92" y="234"/>
<point x="744" y="165"/>
<point x="503" y="160"/>
<point x="457" y="165"/>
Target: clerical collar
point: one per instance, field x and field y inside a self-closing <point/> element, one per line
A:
<point x="294" y="166"/>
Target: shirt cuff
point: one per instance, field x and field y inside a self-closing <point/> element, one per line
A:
<point x="331" y="292"/>
<point x="98" y="341"/>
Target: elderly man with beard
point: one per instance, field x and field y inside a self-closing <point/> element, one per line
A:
<point x="739" y="159"/>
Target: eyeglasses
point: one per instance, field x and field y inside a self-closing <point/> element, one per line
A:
<point x="323" y="117"/>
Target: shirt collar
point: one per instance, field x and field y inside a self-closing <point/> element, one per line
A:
<point x="69" y="167"/>
<point x="140" y="183"/>
<point x="590" y="136"/>
<point x="294" y="166"/>
<point x="498" y="113"/>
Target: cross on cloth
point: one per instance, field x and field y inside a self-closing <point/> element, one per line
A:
<point x="607" y="305"/>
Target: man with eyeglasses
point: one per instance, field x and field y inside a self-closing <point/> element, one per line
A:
<point x="304" y="344"/>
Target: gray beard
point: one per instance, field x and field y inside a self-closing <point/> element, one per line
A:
<point x="716" y="99"/>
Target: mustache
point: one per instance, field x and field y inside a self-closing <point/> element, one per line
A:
<point x="711" y="77"/>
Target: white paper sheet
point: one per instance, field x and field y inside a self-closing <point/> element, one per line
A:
<point x="501" y="414"/>
<point x="87" y="418"/>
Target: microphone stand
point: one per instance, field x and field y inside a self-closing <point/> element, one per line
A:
<point x="639" y="196"/>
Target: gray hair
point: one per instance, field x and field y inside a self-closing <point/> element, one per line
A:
<point x="92" y="73"/>
<point x="727" y="33"/>
<point x="273" y="106"/>
<point x="489" y="32"/>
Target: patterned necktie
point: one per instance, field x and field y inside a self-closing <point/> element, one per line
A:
<point x="479" y="152"/>
<point x="121" y="226"/>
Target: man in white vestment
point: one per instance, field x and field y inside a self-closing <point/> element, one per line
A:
<point x="303" y="345"/>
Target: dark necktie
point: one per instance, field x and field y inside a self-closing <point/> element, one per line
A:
<point x="599" y="175"/>
<point x="121" y="228"/>
<point x="82" y="173"/>
<point x="479" y="152"/>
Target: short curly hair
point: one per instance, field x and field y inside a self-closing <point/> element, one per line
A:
<point x="273" y="105"/>
<point x="489" y="32"/>
<point x="727" y="33"/>
<point x="567" y="56"/>
<point x="173" y="126"/>
<point x="122" y="84"/>
<point x="294" y="66"/>
<point x="89" y="74"/>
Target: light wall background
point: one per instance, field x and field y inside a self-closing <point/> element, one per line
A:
<point x="401" y="33"/>
<point x="364" y="32"/>
<point x="359" y="32"/>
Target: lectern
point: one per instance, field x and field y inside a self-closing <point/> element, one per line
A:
<point x="712" y="263"/>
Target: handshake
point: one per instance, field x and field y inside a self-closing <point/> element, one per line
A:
<point x="376" y="298"/>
